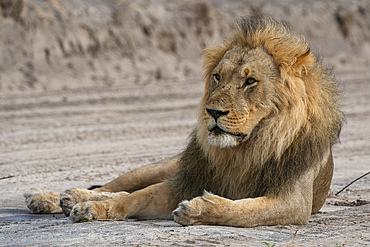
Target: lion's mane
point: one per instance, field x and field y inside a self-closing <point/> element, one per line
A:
<point x="305" y="123"/>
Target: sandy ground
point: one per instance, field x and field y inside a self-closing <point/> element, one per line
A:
<point x="57" y="134"/>
<point x="62" y="139"/>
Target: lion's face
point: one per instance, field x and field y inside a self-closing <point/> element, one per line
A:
<point x="239" y="94"/>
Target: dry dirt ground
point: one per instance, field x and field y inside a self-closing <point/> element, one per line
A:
<point x="91" y="125"/>
<point x="75" y="138"/>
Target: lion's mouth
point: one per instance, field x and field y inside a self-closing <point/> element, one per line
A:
<point x="218" y="131"/>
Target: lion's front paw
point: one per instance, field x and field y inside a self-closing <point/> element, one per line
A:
<point x="206" y="209"/>
<point x="186" y="214"/>
<point x="71" y="197"/>
<point x="96" y="210"/>
<point x="41" y="201"/>
<point x="86" y="211"/>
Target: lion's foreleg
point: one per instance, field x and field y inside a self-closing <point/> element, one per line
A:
<point x="215" y="210"/>
<point x="294" y="207"/>
<point x="155" y="201"/>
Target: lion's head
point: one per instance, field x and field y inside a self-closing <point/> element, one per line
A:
<point x="240" y="93"/>
<point x="264" y="81"/>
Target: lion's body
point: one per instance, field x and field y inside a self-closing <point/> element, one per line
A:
<point x="266" y="125"/>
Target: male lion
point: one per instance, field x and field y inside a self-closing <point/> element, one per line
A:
<point x="261" y="151"/>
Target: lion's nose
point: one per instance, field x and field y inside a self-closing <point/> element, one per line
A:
<point x="216" y="113"/>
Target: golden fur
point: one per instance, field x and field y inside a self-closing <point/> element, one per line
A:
<point x="266" y="124"/>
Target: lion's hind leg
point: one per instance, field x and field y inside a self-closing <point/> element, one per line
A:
<point x="41" y="201"/>
<point x="71" y="197"/>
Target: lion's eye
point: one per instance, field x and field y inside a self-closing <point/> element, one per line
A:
<point x="249" y="81"/>
<point x="217" y="77"/>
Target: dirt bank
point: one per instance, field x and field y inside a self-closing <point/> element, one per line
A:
<point x="48" y="45"/>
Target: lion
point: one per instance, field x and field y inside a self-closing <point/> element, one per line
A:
<point x="260" y="154"/>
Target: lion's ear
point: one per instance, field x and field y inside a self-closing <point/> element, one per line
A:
<point x="304" y="60"/>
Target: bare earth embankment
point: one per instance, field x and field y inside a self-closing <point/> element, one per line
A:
<point x="92" y="89"/>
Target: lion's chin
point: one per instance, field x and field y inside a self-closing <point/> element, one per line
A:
<point x="222" y="139"/>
